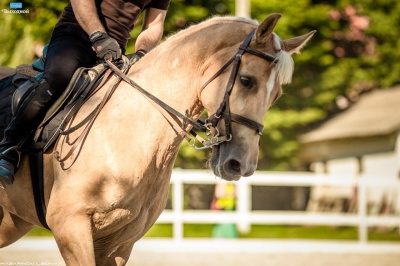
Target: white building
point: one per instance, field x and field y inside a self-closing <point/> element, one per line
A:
<point x="361" y="142"/>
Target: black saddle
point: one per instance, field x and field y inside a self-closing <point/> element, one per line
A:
<point x="12" y="89"/>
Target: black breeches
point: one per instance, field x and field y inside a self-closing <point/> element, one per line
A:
<point x="69" y="49"/>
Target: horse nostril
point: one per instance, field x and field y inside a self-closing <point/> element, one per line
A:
<point x="234" y="165"/>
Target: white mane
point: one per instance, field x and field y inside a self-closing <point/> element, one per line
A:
<point x="285" y="65"/>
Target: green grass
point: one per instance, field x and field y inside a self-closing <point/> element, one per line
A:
<point x="38" y="231"/>
<point x="265" y="232"/>
<point x="302" y="232"/>
<point x="160" y="230"/>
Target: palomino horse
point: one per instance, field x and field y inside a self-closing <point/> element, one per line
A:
<point x="108" y="194"/>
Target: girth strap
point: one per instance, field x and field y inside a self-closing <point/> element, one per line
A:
<point x="36" y="168"/>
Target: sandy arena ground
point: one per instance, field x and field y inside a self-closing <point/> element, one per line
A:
<point x="158" y="252"/>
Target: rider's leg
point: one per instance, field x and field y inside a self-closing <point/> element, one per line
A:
<point x="29" y="114"/>
<point x="69" y="49"/>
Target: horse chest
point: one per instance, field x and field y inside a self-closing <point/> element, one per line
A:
<point x="135" y="214"/>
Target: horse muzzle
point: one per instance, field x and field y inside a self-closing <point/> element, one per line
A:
<point x="231" y="166"/>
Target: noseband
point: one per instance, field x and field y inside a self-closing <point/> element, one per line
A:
<point x="223" y="111"/>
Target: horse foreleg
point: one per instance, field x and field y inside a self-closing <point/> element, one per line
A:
<point x="12" y="228"/>
<point x="73" y="235"/>
<point x="117" y="256"/>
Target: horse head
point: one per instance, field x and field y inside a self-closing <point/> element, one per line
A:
<point x="261" y="66"/>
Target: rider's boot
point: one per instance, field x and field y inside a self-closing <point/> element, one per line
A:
<point x="28" y="115"/>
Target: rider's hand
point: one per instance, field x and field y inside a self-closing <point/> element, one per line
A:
<point x="133" y="58"/>
<point x="105" y="47"/>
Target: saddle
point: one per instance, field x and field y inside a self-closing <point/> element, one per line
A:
<point x="83" y="81"/>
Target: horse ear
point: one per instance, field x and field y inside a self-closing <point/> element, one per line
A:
<point x="294" y="45"/>
<point x="266" y="27"/>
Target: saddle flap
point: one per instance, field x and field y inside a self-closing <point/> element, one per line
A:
<point x="83" y="79"/>
<point x="79" y="79"/>
<point x="26" y="87"/>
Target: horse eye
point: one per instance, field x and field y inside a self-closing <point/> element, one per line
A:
<point x="246" y="82"/>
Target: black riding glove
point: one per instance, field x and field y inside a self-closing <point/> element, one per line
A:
<point x="133" y="58"/>
<point x="105" y="46"/>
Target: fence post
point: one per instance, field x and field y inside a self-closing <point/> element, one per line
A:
<point x="243" y="205"/>
<point x="362" y="210"/>
<point x="243" y="8"/>
<point x="177" y="205"/>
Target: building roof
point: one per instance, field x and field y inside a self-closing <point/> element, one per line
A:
<point x="375" y="114"/>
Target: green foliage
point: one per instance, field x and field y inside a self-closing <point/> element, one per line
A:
<point x="354" y="50"/>
<point x="19" y="32"/>
<point x="190" y="158"/>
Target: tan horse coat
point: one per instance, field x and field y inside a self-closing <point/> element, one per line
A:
<point x="107" y="196"/>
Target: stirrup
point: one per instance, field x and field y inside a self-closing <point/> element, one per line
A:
<point x="7" y="173"/>
<point x="3" y="155"/>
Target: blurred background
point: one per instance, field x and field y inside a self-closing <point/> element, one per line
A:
<point x="337" y="124"/>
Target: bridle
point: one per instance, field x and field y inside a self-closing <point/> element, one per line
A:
<point x="224" y="109"/>
<point x="223" y="112"/>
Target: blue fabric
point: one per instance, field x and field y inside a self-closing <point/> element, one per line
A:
<point x="39" y="63"/>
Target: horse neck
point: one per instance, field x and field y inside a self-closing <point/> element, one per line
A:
<point x="174" y="73"/>
<point x="175" y="70"/>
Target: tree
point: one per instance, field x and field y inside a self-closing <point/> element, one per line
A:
<point x="21" y="33"/>
<point x="354" y="51"/>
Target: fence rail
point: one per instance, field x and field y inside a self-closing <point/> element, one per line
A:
<point x="244" y="216"/>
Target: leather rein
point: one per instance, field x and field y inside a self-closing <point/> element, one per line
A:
<point x="223" y="111"/>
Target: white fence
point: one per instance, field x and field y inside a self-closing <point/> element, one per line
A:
<point x="244" y="216"/>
